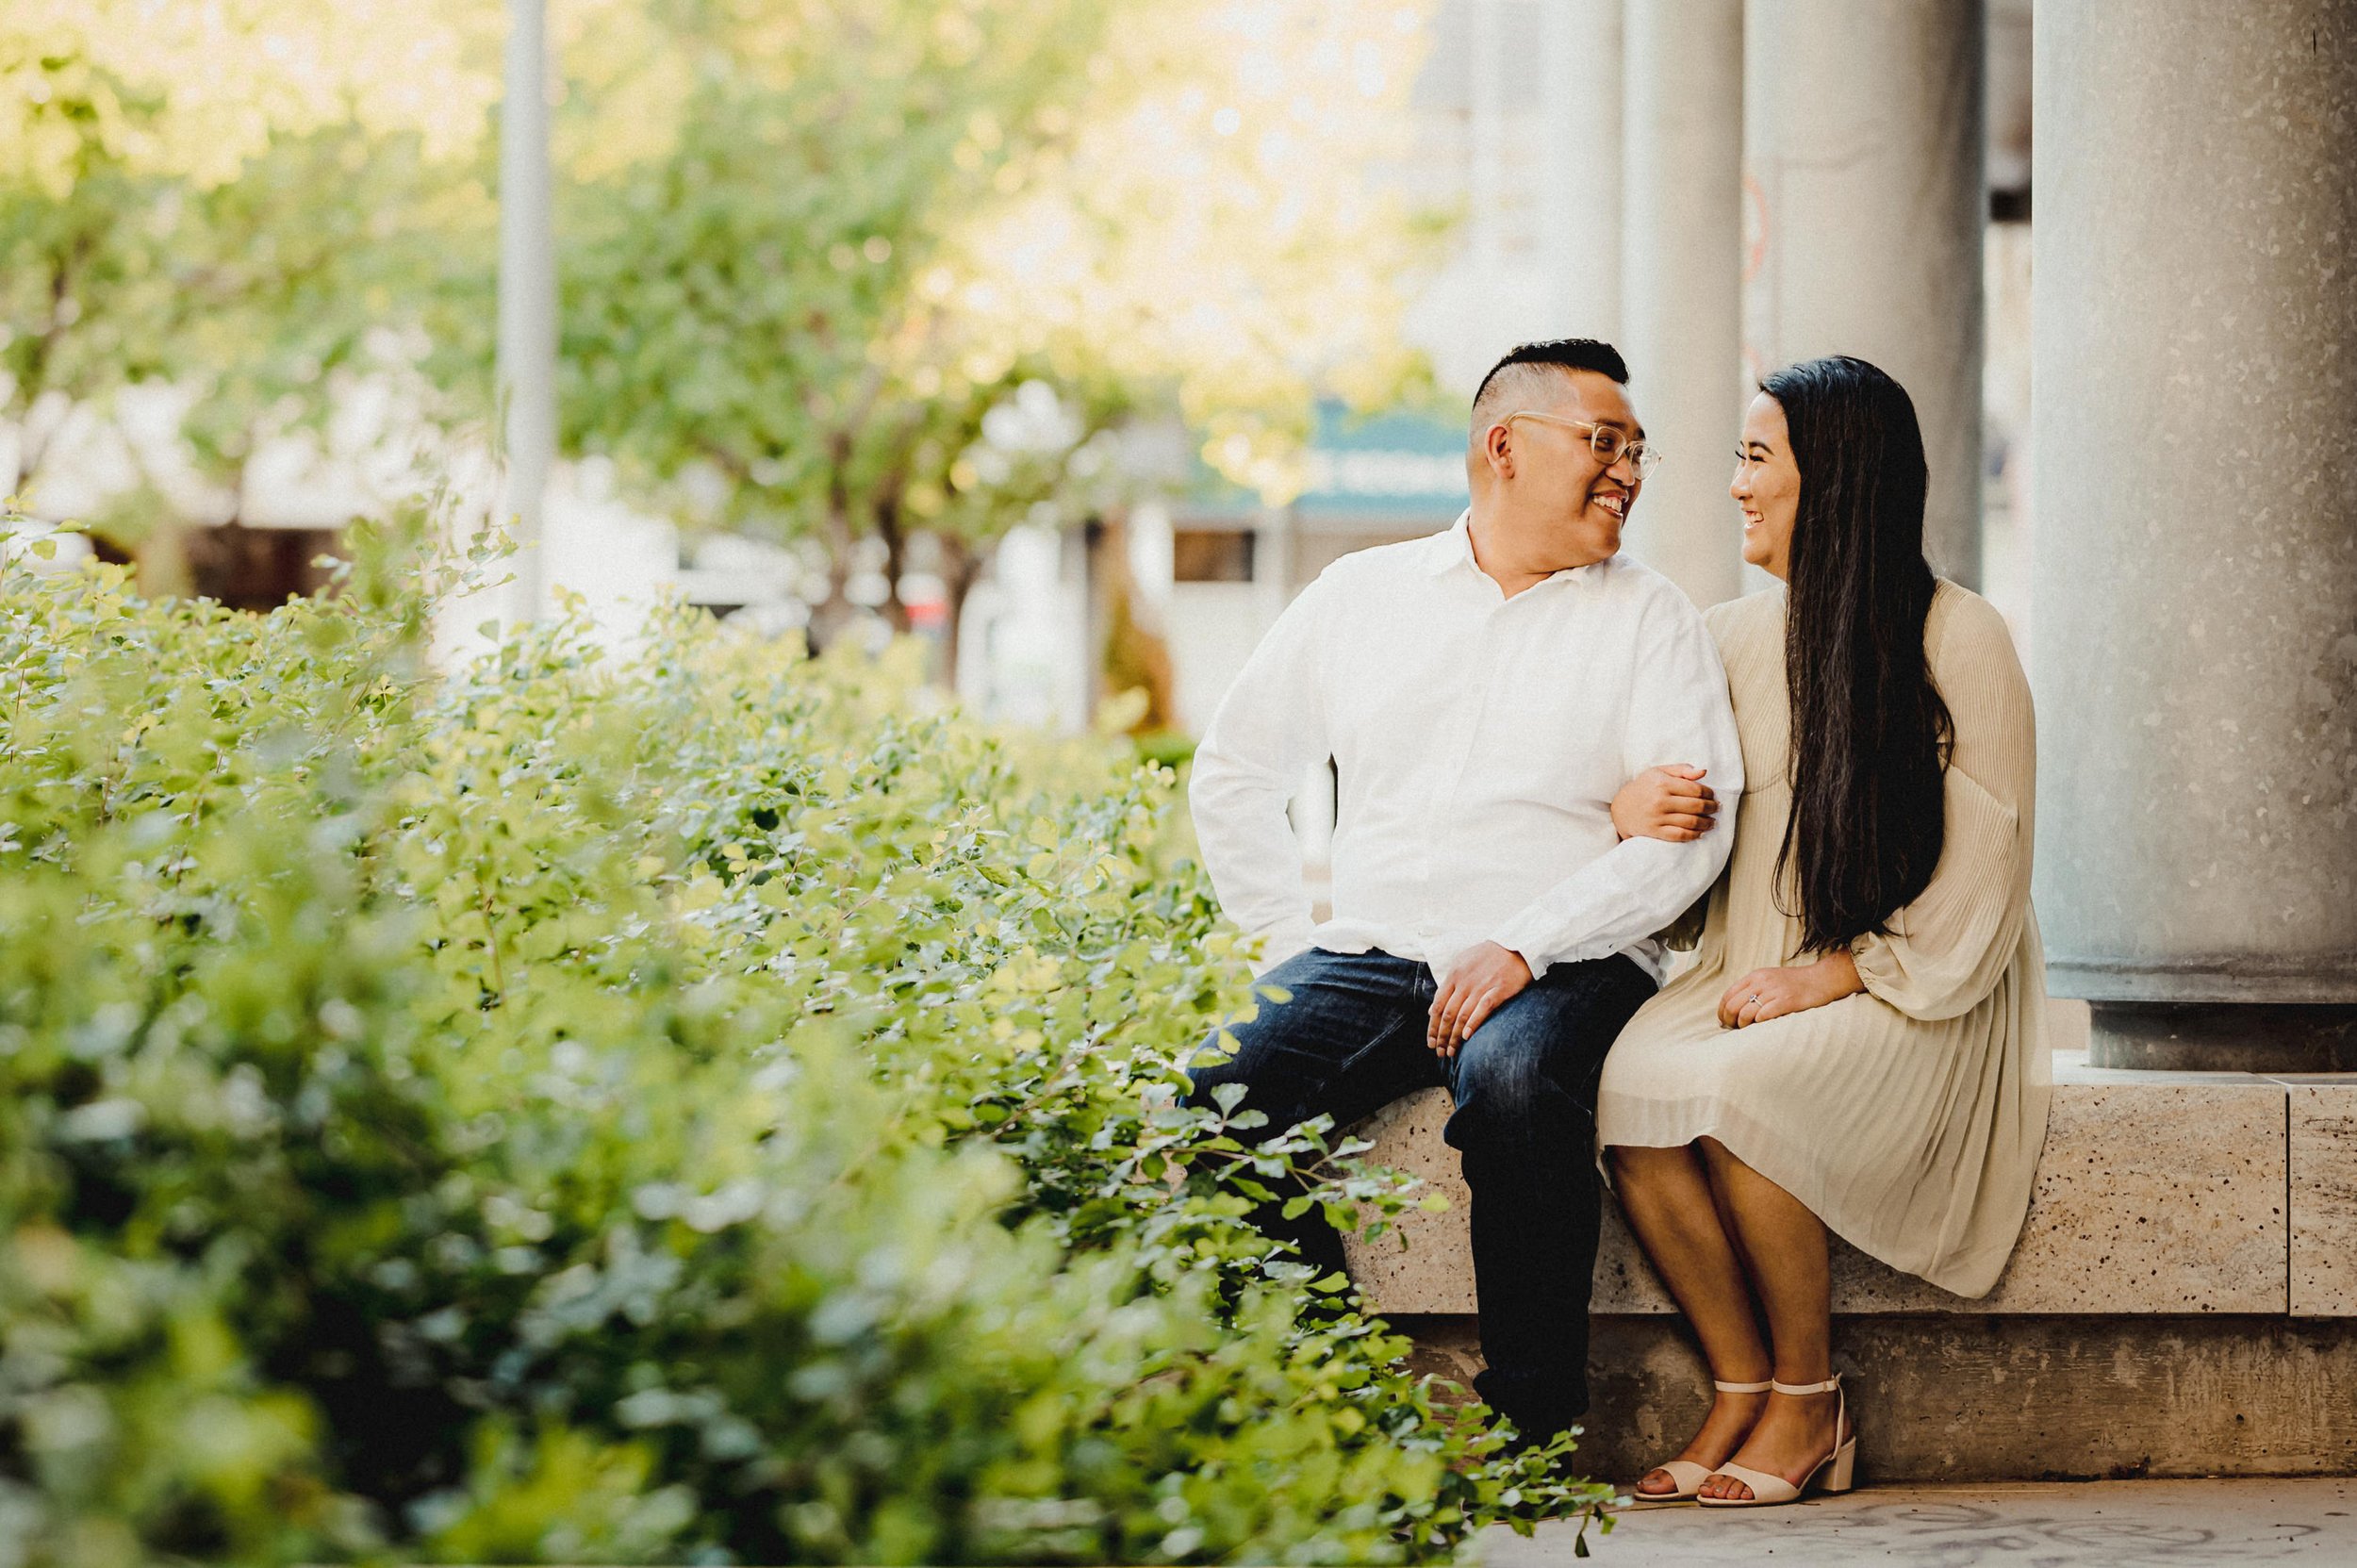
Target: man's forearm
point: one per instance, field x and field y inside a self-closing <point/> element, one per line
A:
<point x="1624" y="896"/>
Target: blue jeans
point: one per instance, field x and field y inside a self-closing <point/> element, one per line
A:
<point x="1351" y="1040"/>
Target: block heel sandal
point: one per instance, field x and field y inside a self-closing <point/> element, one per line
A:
<point x="1686" y="1473"/>
<point x="1836" y="1472"/>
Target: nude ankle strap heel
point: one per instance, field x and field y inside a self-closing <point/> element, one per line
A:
<point x="1836" y="1472"/>
<point x="1686" y="1473"/>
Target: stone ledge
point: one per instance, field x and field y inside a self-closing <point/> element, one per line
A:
<point x="2157" y="1193"/>
<point x="1999" y="1397"/>
<point x="2324" y="1196"/>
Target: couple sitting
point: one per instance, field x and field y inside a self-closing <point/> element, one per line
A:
<point x="1533" y="737"/>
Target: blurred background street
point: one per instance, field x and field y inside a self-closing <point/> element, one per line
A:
<point x="1071" y="335"/>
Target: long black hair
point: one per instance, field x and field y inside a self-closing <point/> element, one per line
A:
<point x="1871" y="734"/>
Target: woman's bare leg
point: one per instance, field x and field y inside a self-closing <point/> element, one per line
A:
<point x="1783" y="1249"/>
<point x="1667" y="1196"/>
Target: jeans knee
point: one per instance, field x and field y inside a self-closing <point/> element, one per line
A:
<point x="1499" y="1100"/>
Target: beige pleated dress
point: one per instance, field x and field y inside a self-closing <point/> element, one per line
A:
<point x="1908" y="1117"/>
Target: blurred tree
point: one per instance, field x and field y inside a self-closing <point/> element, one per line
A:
<point x="753" y="297"/>
<point x="236" y="207"/>
<point x="888" y="274"/>
<point x="197" y="89"/>
<point x="859" y="269"/>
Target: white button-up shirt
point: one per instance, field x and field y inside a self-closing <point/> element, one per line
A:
<point x="1477" y="741"/>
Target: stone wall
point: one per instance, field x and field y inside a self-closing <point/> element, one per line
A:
<point x="2182" y="1301"/>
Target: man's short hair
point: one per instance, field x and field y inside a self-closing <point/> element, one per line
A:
<point x="1525" y="371"/>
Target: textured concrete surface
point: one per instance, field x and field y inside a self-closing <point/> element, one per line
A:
<point x="2324" y="1198"/>
<point x="2090" y="1524"/>
<point x="2195" y="427"/>
<point x="1425" y="1264"/>
<point x="1579" y="206"/>
<point x="2151" y="1198"/>
<point x="2156" y="1193"/>
<point x="2030" y="1398"/>
<point x="1865" y="205"/>
<point x="1681" y="279"/>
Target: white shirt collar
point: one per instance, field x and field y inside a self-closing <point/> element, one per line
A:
<point x="1452" y="547"/>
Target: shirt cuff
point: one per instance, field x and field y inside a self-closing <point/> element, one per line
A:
<point x="1523" y="937"/>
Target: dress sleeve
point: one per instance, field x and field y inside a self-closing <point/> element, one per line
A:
<point x="1946" y="950"/>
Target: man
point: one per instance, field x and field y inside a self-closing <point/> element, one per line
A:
<point x="1482" y="693"/>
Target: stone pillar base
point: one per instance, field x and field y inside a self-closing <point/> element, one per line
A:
<point x="2236" y="1037"/>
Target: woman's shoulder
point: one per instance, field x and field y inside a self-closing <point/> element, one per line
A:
<point x="1971" y="651"/>
<point x="1756" y="617"/>
<point x="1961" y="627"/>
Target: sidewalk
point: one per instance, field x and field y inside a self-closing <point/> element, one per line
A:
<point x="2028" y="1525"/>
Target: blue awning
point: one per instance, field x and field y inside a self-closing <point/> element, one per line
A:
<point x="1404" y="464"/>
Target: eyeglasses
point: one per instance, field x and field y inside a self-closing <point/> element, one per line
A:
<point x="1605" y="441"/>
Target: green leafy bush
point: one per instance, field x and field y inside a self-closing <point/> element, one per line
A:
<point x="695" y="1106"/>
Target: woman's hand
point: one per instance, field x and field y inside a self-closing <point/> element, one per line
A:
<point x="1766" y="994"/>
<point x="1669" y="802"/>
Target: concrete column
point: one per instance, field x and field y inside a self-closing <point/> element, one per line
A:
<point x="1681" y="280"/>
<point x="1485" y="142"/>
<point x="527" y="299"/>
<point x="1864" y="144"/>
<point x="1579" y="208"/>
<point x="2195" y="413"/>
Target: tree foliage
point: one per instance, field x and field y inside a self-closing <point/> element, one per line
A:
<point x="700" y="1108"/>
<point x="195" y="90"/>
<point x="248" y="203"/>
<point x="848" y="243"/>
<point x="841" y="270"/>
<point x="762" y="294"/>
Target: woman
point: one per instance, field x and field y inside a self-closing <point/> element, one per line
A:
<point x="1861" y="1043"/>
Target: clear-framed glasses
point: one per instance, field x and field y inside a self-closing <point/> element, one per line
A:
<point x="1605" y="441"/>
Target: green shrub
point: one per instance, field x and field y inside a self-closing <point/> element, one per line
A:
<point x="695" y="1106"/>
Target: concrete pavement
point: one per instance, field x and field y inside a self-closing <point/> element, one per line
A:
<point x="2172" y="1524"/>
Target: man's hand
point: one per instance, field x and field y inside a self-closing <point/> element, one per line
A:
<point x="1766" y="994"/>
<point x="1483" y="979"/>
<point x="1669" y="802"/>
